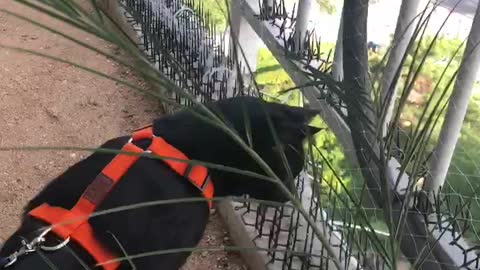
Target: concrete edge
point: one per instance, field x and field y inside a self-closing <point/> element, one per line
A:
<point x="239" y="235"/>
<point x="116" y="14"/>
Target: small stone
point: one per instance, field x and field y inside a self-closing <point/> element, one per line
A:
<point x="222" y="263"/>
<point x="73" y="155"/>
<point x="52" y="112"/>
<point x="204" y="253"/>
<point x="209" y="239"/>
<point x="92" y="102"/>
<point x="226" y="239"/>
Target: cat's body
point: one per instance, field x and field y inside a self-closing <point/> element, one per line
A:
<point x="174" y="225"/>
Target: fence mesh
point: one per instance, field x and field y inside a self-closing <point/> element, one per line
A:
<point x="180" y="39"/>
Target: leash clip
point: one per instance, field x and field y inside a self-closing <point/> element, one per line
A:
<point x="24" y="250"/>
<point x="32" y="246"/>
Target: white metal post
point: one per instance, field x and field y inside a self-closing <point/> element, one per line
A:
<point x="243" y="38"/>
<point x="457" y="109"/>
<point x="337" y="66"/>
<point x="403" y="34"/>
<point x="301" y="26"/>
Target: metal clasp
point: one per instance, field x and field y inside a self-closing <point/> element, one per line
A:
<point x="34" y="245"/>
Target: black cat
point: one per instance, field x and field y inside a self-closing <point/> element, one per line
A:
<point x="174" y="225"/>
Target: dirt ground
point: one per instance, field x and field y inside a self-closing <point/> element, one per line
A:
<point x="47" y="103"/>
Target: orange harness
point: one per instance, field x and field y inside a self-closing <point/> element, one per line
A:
<point x="75" y="221"/>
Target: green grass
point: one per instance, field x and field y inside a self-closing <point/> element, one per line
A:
<point x="270" y="73"/>
<point x="215" y="9"/>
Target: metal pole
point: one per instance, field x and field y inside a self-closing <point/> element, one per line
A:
<point x="243" y="37"/>
<point x="301" y="26"/>
<point x="337" y="66"/>
<point x="457" y="109"/>
<point x="401" y="39"/>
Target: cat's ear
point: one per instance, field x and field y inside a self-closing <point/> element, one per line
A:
<point x="296" y="134"/>
<point x="303" y="115"/>
<point x="310" y="114"/>
<point x="311" y="130"/>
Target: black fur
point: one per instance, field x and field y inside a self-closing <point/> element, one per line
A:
<point x="176" y="225"/>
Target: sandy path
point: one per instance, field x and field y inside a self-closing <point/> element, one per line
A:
<point x="47" y="103"/>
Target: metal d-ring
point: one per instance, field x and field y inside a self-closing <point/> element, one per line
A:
<point x="56" y="247"/>
<point x="41" y="239"/>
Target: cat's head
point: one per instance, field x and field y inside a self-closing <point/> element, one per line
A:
<point x="249" y="118"/>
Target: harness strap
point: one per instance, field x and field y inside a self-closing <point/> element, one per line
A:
<point x="174" y="158"/>
<point x="74" y="223"/>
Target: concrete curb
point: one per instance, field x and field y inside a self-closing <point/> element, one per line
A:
<point x="240" y="237"/>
